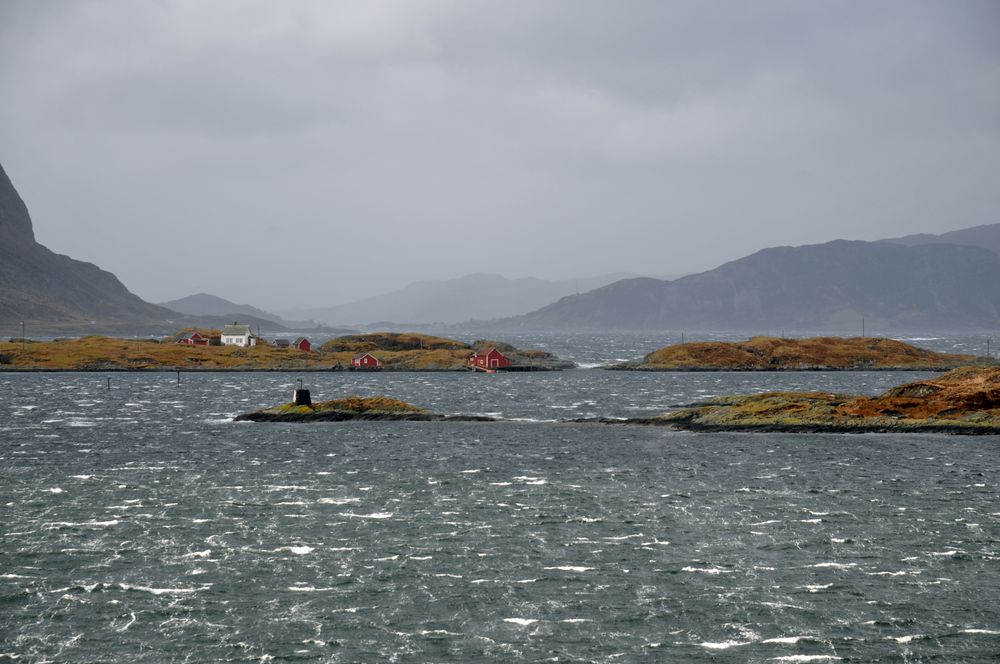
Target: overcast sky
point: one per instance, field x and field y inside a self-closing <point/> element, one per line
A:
<point x="310" y="153"/>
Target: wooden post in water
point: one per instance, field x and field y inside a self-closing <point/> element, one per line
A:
<point x="109" y="383"/>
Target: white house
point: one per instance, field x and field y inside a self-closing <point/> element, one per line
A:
<point x="238" y="335"/>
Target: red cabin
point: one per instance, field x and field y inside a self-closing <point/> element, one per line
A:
<point x="489" y="359"/>
<point x="365" y="361"/>
<point x="302" y="344"/>
<point x="193" y="339"/>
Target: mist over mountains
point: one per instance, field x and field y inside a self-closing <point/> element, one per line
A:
<point x="53" y="293"/>
<point x="450" y="301"/>
<point x="829" y="286"/>
<point x="919" y="282"/>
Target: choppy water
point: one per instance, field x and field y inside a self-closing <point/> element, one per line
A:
<point x="141" y="524"/>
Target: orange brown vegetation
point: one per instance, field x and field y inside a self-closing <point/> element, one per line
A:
<point x="968" y="397"/>
<point x="355" y="405"/>
<point x="772" y="353"/>
<point x="396" y="351"/>
<point x="392" y="341"/>
<point x="111" y="354"/>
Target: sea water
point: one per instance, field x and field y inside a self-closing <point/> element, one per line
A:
<point x="142" y="524"/>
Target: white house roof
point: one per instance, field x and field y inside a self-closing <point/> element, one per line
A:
<point x="236" y="330"/>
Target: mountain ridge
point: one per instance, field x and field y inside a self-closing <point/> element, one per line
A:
<point x="825" y="286"/>
<point x="206" y="304"/>
<point x="984" y="235"/>
<point x="453" y="301"/>
<point x="37" y="284"/>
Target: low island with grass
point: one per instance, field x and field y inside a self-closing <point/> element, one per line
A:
<point x="962" y="401"/>
<point x="813" y="354"/>
<point x="378" y="408"/>
<point x="394" y="351"/>
<point x="411" y="351"/>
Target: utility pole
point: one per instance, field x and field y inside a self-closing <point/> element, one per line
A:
<point x="22" y="336"/>
<point x="862" y="327"/>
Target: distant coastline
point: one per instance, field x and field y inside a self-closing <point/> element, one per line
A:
<point x="381" y="351"/>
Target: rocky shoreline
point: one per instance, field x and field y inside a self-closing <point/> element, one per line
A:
<point x="963" y="401"/>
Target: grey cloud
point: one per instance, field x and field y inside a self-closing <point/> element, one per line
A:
<point x="249" y="140"/>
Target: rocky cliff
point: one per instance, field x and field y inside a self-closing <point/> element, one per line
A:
<point x="40" y="286"/>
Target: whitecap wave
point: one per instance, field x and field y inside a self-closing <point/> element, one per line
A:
<point x="338" y="501"/>
<point x="569" y="568"/>
<point x="297" y="550"/>
<point x="373" y="515"/>
<point x="723" y="645"/>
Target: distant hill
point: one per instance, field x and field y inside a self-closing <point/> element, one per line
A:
<point x="816" y="287"/>
<point x="39" y="286"/>
<point x="203" y="304"/>
<point x="475" y="296"/>
<point x="986" y="236"/>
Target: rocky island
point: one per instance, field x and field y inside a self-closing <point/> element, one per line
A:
<point x="411" y="351"/>
<point x="378" y="408"/>
<point x="393" y="351"/>
<point x="813" y="354"/>
<point x="962" y="401"/>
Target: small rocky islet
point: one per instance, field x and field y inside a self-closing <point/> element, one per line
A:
<point x="378" y="408"/>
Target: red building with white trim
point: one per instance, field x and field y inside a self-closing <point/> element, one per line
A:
<point x="365" y="361"/>
<point x="490" y="358"/>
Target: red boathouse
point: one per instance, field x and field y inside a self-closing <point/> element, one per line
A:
<point x="490" y="358"/>
<point x="302" y="344"/>
<point x="365" y="361"/>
